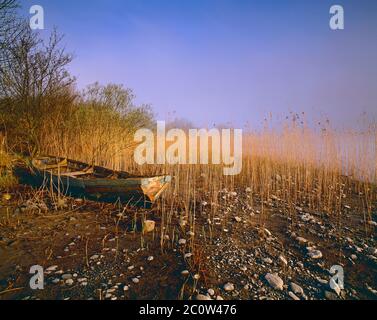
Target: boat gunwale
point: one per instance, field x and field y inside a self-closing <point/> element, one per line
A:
<point x="130" y="179"/>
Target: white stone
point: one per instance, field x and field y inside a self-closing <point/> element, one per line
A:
<point x="229" y="286"/>
<point x="267" y="260"/>
<point x="211" y="292"/>
<point x="182" y="241"/>
<point x="293" y="296"/>
<point x="301" y="240"/>
<point x="69" y="282"/>
<point x="185" y="272"/>
<point x="52" y="268"/>
<point x="315" y="254"/>
<point x="283" y="260"/>
<point x="275" y="281"/>
<point x="296" y="289"/>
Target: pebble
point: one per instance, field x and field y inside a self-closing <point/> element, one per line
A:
<point x="330" y="295"/>
<point x="135" y="280"/>
<point x="211" y="292"/>
<point x="283" y="260"/>
<point x="267" y="260"/>
<point x="52" y="268"/>
<point x="275" y="281"/>
<point x="150" y="258"/>
<point x="229" y="286"/>
<point x="315" y="254"/>
<point x="296" y="288"/>
<point x="182" y="241"/>
<point x="301" y="240"/>
<point x="67" y="276"/>
<point x="322" y="281"/>
<point x="238" y="219"/>
<point x="185" y="272"/>
<point x="203" y="297"/>
<point x="293" y="296"/>
<point x="69" y="282"/>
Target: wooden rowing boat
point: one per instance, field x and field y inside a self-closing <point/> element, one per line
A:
<point x="80" y="179"/>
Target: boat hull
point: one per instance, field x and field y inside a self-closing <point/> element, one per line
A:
<point x="135" y="191"/>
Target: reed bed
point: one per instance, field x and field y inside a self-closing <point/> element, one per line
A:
<point x="317" y="168"/>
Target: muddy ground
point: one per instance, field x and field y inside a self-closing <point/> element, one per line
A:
<point x="96" y="251"/>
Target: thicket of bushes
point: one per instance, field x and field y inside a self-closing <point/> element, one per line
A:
<point x="41" y="110"/>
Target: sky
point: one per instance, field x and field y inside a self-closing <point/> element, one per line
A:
<point x="226" y="61"/>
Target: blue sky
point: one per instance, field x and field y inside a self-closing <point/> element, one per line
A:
<point x="226" y="61"/>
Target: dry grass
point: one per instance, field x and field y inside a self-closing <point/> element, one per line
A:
<point x="317" y="169"/>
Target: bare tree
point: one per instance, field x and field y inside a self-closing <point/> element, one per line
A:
<point x="10" y="26"/>
<point x="33" y="73"/>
